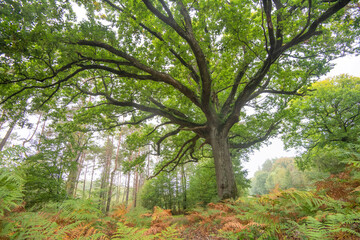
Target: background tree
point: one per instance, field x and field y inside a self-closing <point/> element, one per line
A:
<point x="197" y="66"/>
<point x="326" y="123"/>
<point x="281" y="172"/>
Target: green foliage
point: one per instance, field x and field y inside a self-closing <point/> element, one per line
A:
<point x="71" y="219"/>
<point x="137" y="59"/>
<point x="30" y="226"/>
<point x="258" y="183"/>
<point x="130" y="233"/>
<point x="12" y="157"/>
<point x="170" y="233"/>
<point x="137" y="217"/>
<point x="43" y="181"/>
<point x="280" y="172"/>
<point x="134" y="233"/>
<point x="80" y="210"/>
<point x="202" y="184"/>
<point x="161" y="191"/>
<point x="11" y="190"/>
<point x="325" y="123"/>
<point x="295" y="214"/>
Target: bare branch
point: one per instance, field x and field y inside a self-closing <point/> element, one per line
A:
<point x="159" y="112"/>
<point x="194" y="75"/>
<point x="169" y="134"/>
<point x="160" y="125"/>
<point x="181" y="153"/>
<point x="311" y="30"/>
<point x="171" y="110"/>
<point x="253" y="142"/>
<point x="157" y="76"/>
<point x="42" y="86"/>
<point x="195" y="47"/>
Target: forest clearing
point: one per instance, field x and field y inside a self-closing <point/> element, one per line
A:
<point x="133" y="119"/>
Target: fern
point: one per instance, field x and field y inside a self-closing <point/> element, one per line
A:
<point x="29" y="226"/>
<point x="170" y="233"/>
<point x="130" y="233"/>
<point x="81" y="230"/>
<point x="79" y="210"/>
<point x="10" y="190"/>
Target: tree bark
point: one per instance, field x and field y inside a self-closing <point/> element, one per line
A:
<point x="118" y="191"/>
<point x="84" y="185"/>
<point x="127" y="189"/>
<point x="105" y="175"/>
<point x="110" y="192"/>
<point x="73" y="177"/>
<point x="225" y="178"/>
<point x="183" y="184"/>
<point x="7" y="135"/>
<point x="33" y="134"/>
<point x="79" y="170"/>
<point x="92" y="177"/>
<point x="136" y="180"/>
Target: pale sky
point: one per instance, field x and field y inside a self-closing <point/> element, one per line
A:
<point x="349" y="65"/>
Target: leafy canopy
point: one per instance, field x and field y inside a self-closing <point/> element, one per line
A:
<point x="197" y="66"/>
<point x="326" y="122"/>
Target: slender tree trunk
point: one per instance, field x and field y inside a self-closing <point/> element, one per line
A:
<point x="92" y="178"/>
<point x="136" y="180"/>
<point x="128" y="183"/>
<point x="112" y="176"/>
<point x="127" y="189"/>
<point x="71" y="181"/>
<point x="177" y="193"/>
<point x="170" y="189"/>
<point x="84" y="185"/>
<point x="225" y="178"/>
<point x="183" y="183"/>
<point x="118" y="190"/>
<point x="7" y="135"/>
<point x="79" y="170"/>
<point x="106" y="174"/>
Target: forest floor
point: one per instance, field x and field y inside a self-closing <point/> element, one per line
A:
<point x="331" y="211"/>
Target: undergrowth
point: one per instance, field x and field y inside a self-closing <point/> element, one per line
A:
<point x="281" y="214"/>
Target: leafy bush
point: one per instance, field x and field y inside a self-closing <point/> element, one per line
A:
<point x="43" y="181"/>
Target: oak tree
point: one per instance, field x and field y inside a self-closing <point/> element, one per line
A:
<point x="214" y="72"/>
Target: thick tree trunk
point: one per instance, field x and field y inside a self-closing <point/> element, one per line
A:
<point x="225" y="178"/>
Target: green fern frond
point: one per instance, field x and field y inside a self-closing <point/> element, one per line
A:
<point x="29" y="225"/>
<point x="128" y="233"/>
<point x="170" y="233"/>
<point x="11" y="185"/>
<point x="79" y="210"/>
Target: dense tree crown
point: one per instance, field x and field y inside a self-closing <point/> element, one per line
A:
<point x="210" y="72"/>
<point x="326" y="123"/>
